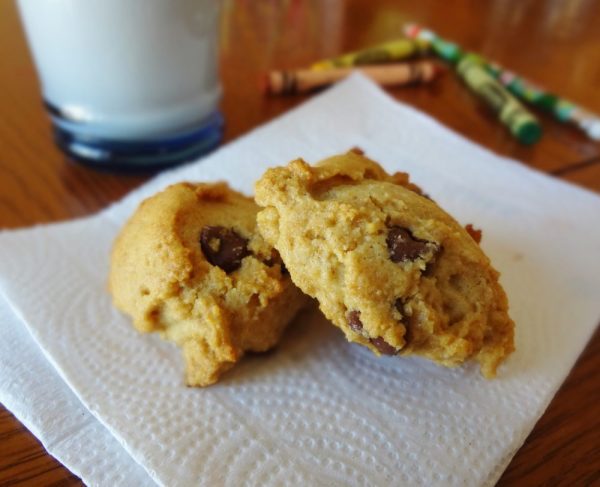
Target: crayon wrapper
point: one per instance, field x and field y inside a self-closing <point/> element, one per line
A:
<point x="563" y="110"/>
<point x="510" y="112"/>
<point x="390" y="51"/>
<point x="483" y="84"/>
<point x="448" y="51"/>
<point x="532" y="94"/>
<point x="523" y="89"/>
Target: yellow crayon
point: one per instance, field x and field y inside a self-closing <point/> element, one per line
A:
<point x="388" y="51"/>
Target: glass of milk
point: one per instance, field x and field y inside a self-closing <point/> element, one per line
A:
<point x="128" y="83"/>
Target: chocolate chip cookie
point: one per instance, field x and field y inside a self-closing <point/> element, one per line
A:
<point x="387" y="265"/>
<point x="191" y="265"/>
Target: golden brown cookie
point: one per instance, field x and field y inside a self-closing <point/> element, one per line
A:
<point x="190" y="264"/>
<point x="388" y="266"/>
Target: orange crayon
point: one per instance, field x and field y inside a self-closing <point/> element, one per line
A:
<point x="304" y="80"/>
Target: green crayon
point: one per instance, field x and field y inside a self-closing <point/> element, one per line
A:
<point x="563" y="110"/>
<point x="388" y="51"/>
<point x="522" y="124"/>
<point x="448" y="51"/>
<point x="523" y="89"/>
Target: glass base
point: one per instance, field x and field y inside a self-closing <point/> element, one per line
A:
<point x="143" y="154"/>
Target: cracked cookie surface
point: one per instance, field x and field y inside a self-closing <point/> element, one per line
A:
<point x="387" y="265"/>
<point x="191" y="265"/>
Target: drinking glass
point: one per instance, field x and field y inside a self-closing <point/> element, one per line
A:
<point x="128" y="83"/>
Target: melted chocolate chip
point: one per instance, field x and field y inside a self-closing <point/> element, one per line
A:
<point x="384" y="347"/>
<point x="474" y="232"/>
<point x="405" y="320"/>
<point x="223" y="247"/>
<point x="380" y="344"/>
<point x="399" y="304"/>
<point x="402" y="246"/>
<point x="429" y="268"/>
<point x="354" y="321"/>
<point x="276" y="259"/>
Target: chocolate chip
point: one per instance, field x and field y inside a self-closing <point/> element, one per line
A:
<point x="474" y="232"/>
<point x="223" y="247"/>
<point x="384" y="347"/>
<point x="276" y="259"/>
<point x="399" y="304"/>
<point x="354" y="321"/>
<point x="380" y="344"/>
<point x="402" y="246"/>
<point x="429" y="268"/>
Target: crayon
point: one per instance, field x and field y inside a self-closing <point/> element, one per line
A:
<point x="522" y="124"/>
<point x="386" y="52"/>
<point x="586" y="121"/>
<point x="563" y="110"/>
<point x="301" y="81"/>
<point x="522" y="88"/>
<point x="447" y="50"/>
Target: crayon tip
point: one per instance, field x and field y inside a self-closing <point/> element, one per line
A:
<point x="411" y="30"/>
<point x="529" y="133"/>
<point x="593" y="129"/>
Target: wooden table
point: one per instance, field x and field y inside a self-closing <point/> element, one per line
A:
<point x="554" y="43"/>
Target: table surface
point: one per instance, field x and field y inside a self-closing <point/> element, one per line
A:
<point x="556" y="44"/>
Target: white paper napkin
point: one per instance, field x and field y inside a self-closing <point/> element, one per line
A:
<point x="320" y="411"/>
<point x="31" y="388"/>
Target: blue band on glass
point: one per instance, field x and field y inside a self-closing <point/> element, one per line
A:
<point x="152" y="153"/>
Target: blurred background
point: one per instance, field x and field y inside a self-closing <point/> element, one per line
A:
<point x="554" y="43"/>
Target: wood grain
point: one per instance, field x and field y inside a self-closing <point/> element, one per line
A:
<point x="24" y="461"/>
<point x="563" y="449"/>
<point x="586" y="174"/>
<point x="553" y="43"/>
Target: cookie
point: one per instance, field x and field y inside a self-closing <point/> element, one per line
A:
<point x="190" y="265"/>
<point x="387" y="265"/>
